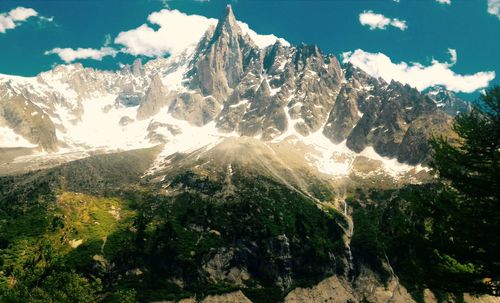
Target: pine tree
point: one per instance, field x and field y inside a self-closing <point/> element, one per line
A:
<point x="467" y="217"/>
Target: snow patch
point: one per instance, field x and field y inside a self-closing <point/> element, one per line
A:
<point x="191" y="139"/>
<point x="391" y="165"/>
<point x="8" y="138"/>
<point x="242" y="102"/>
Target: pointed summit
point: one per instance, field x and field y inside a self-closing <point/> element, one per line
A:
<point x="219" y="63"/>
<point x="229" y="11"/>
<point x="228" y="22"/>
<point x="154" y="100"/>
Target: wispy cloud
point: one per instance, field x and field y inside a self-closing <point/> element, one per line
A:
<point x="15" y="17"/>
<point x="379" y="21"/>
<point x="417" y="75"/>
<point x="69" y="55"/>
<point x="444" y="1"/>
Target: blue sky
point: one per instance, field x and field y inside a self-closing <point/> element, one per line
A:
<point x="425" y="30"/>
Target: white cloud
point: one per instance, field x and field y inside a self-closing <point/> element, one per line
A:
<point x="453" y="55"/>
<point x="168" y="39"/>
<point x="379" y="21"/>
<point x="147" y="41"/>
<point x="22" y="13"/>
<point x="444" y="1"/>
<point x="494" y="7"/>
<point x="261" y="40"/>
<point x="401" y="24"/>
<point x="6" y="23"/>
<point x="14" y="17"/>
<point x="417" y="75"/>
<point x="69" y="55"/>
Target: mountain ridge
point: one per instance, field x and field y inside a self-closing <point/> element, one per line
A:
<point x="271" y="93"/>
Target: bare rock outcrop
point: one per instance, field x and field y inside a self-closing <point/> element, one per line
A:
<point x="156" y="98"/>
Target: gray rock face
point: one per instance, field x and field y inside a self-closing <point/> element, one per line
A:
<point x="138" y="69"/>
<point x="28" y="120"/>
<point x="195" y="108"/>
<point x="156" y="98"/>
<point x="448" y="101"/>
<point x="221" y="58"/>
<point x="414" y="147"/>
<point x="389" y="117"/>
<point x="344" y="115"/>
<point x="125" y="120"/>
<point x="259" y="87"/>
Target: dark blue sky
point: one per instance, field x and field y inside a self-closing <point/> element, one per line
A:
<point x="334" y="25"/>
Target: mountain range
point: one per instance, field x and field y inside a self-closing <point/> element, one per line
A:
<point x="224" y="173"/>
<point x="230" y="85"/>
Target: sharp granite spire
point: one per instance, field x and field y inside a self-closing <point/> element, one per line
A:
<point x="219" y="64"/>
<point x="228" y="22"/>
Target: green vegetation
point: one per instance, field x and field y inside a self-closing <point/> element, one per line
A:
<point x="133" y="244"/>
<point x="442" y="236"/>
<point x="468" y="228"/>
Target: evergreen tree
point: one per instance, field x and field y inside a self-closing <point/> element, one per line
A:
<point x="466" y="223"/>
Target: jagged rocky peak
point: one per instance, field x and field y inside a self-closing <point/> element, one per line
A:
<point x="360" y="78"/>
<point x="221" y="58"/>
<point x="308" y="54"/>
<point x="155" y="99"/>
<point x="138" y="68"/>
<point x="344" y="115"/>
<point x="448" y="101"/>
<point x="228" y="23"/>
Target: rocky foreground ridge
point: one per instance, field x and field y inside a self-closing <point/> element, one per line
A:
<point x="335" y="290"/>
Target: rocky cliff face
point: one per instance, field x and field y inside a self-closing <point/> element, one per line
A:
<point x="155" y="99"/>
<point x="448" y="101"/>
<point x="221" y="57"/>
<point x="370" y="112"/>
<point x="28" y="120"/>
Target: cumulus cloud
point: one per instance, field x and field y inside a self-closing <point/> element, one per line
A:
<point x="69" y="55"/>
<point x="417" y="75"/>
<point x="15" y="17"/>
<point x="494" y="7"/>
<point x="22" y="13"/>
<point x="379" y="21"/>
<point x="168" y="39"/>
<point x="147" y="41"/>
<point x="444" y="1"/>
